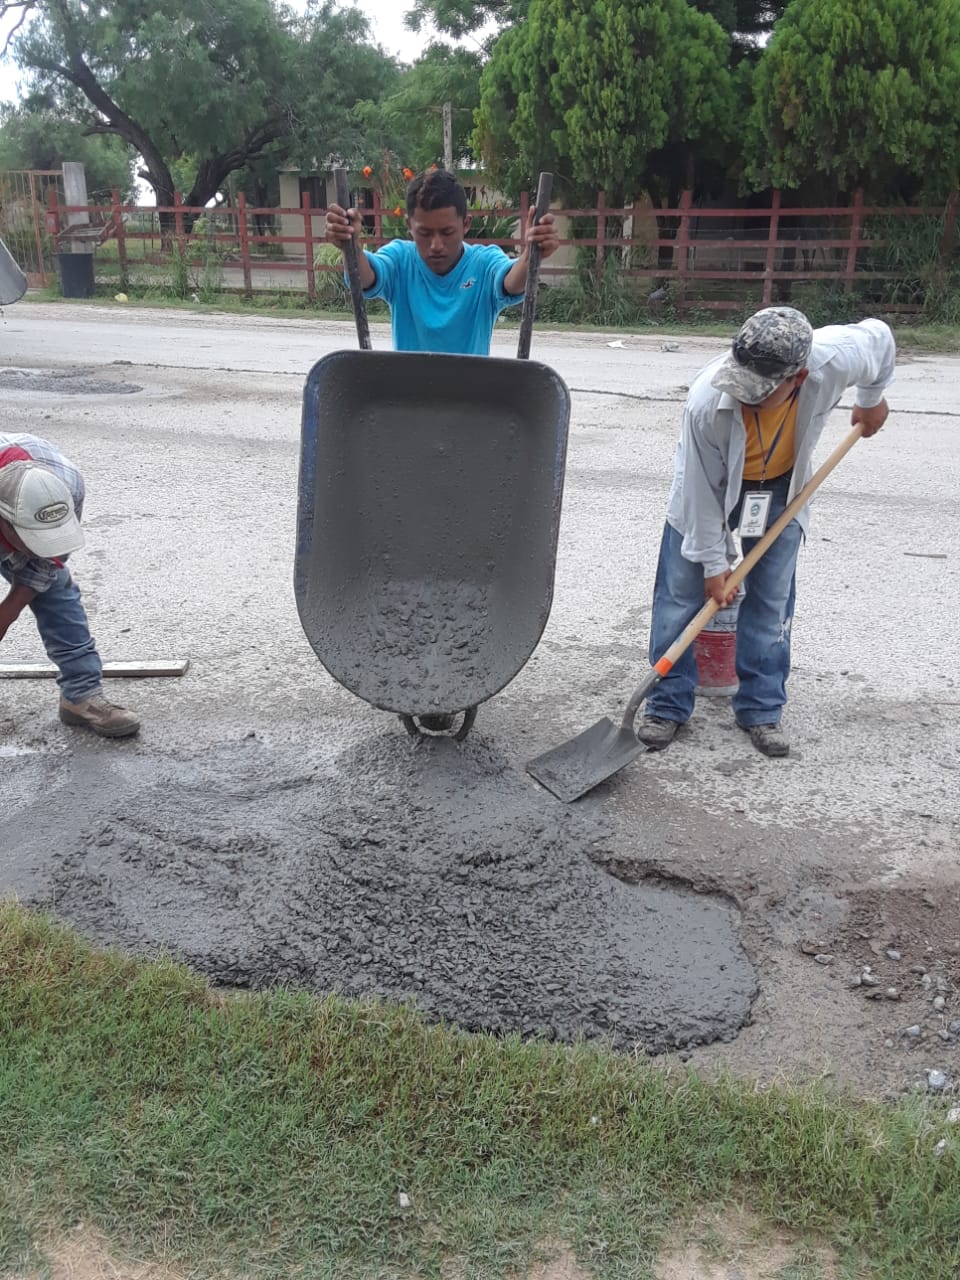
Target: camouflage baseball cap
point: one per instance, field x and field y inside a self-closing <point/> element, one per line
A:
<point x="771" y="346"/>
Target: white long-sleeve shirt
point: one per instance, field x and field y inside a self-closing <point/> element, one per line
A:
<point x="708" y="466"/>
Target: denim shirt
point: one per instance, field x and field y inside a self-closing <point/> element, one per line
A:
<point x="708" y="464"/>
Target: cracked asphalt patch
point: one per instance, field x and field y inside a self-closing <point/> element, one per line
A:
<point x="430" y="873"/>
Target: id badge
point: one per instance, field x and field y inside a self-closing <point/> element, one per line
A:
<point x="754" y="514"/>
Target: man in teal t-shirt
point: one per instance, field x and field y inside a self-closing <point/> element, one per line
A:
<point x="444" y="293"/>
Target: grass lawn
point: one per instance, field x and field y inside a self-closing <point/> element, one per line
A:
<point x="280" y="1135"/>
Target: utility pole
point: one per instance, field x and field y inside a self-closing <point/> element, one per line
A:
<point x="448" y="136"/>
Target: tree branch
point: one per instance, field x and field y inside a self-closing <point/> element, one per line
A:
<point x="8" y="6"/>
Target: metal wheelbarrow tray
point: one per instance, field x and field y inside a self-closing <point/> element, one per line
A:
<point x="428" y="516"/>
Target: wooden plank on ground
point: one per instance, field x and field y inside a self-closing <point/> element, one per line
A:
<point x="122" y="670"/>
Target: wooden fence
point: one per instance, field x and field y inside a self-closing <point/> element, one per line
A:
<point x="703" y="258"/>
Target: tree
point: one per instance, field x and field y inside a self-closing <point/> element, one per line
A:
<point x="746" y="20"/>
<point x="859" y="91"/>
<point x="460" y="18"/>
<point x="409" y="120"/>
<point x="596" y="90"/>
<point x="34" y="136"/>
<point x="217" y="83"/>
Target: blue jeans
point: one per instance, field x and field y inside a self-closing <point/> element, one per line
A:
<point x="763" y="623"/>
<point x="65" y="632"/>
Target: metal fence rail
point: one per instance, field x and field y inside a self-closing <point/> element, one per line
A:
<point x="706" y="258"/>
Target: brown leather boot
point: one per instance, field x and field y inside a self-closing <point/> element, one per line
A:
<point x="103" y="717"/>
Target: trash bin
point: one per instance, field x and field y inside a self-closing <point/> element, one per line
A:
<point x="76" y="274"/>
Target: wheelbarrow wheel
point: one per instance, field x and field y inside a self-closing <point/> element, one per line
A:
<point x="430" y="726"/>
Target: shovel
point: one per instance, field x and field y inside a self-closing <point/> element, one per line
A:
<point x="577" y="766"/>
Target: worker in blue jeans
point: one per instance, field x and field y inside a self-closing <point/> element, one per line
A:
<point x="750" y="425"/>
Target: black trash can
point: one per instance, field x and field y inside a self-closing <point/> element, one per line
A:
<point x="76" y="274"/>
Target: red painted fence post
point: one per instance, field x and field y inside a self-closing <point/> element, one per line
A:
<point x="856" y="219"/>
<point x="772" y="237"/>
<point x="683" y="245"/>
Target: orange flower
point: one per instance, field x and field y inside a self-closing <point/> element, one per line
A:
<point x="398" y="210"/>
<point x="408" y="174"/>
<point x="366" y="171"/>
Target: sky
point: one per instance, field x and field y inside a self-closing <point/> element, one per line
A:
<point x="385" y="17"/>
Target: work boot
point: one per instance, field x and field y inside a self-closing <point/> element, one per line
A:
<point x="656" y="732"/>
<point x="768" y="738"/>
<point x="103" y="717"/>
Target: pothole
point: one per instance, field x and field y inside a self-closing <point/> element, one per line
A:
<point x="63" y="382"/>
<point x="433" y="874"/>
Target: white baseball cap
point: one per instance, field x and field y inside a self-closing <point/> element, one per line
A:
<point x="39" y="506"/>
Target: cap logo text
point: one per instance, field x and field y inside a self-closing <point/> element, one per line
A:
<point x="51" y="513"/>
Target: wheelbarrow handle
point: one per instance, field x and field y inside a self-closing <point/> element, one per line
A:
<point x="352" y="259"/>
<point x="544" y="189"/>
<point x="693" y="628"/>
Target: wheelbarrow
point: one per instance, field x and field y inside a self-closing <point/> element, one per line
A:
<point x="13" y="283"/>
<point x="428" y="516"/>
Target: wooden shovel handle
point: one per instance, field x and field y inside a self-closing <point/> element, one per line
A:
<point x="693" y="629"/>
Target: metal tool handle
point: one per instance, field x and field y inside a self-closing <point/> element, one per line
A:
<point x="693" y="628"/>
<point x="352" y="259"/>
<point x="544" y="188"/>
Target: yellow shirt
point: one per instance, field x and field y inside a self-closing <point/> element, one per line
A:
<point x="770" y="422"/>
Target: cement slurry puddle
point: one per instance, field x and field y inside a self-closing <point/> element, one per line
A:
<point x="434" y="874"/>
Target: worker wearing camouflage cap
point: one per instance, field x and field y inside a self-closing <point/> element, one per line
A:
<point x="750" y="426"/>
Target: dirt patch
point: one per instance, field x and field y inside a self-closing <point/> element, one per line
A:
<point x="85" y="1254"/>
<point x="736" y="1246"/>
<point x="560" y="1265"/>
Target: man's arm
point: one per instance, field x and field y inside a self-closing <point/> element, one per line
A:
<point x="872" y="362"/>
<point x="11" y="608"/>
<point x="544" y="233"/>
<point x="704" y="491"/>
<point x="344" y="225"/>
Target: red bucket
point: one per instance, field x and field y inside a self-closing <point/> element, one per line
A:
<point x="715" y="650"/>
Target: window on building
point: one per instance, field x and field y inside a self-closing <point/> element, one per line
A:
<point x="316" y="188"/>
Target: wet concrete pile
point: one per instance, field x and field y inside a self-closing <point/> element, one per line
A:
<point x="432" y="873"/>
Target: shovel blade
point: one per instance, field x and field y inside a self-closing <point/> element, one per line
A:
<point x="577" y="766"/>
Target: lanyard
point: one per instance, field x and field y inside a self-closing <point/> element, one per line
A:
<point x="776" y="439"/>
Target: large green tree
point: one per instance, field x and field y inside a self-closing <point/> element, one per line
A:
<point x="858" y="92"/>
<point x="213" y="84"/>
<point x="34" y="135"/>
<point x="409" y="120"/>
<point x="608" y="94"/>
<point x="746" y="20"/>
